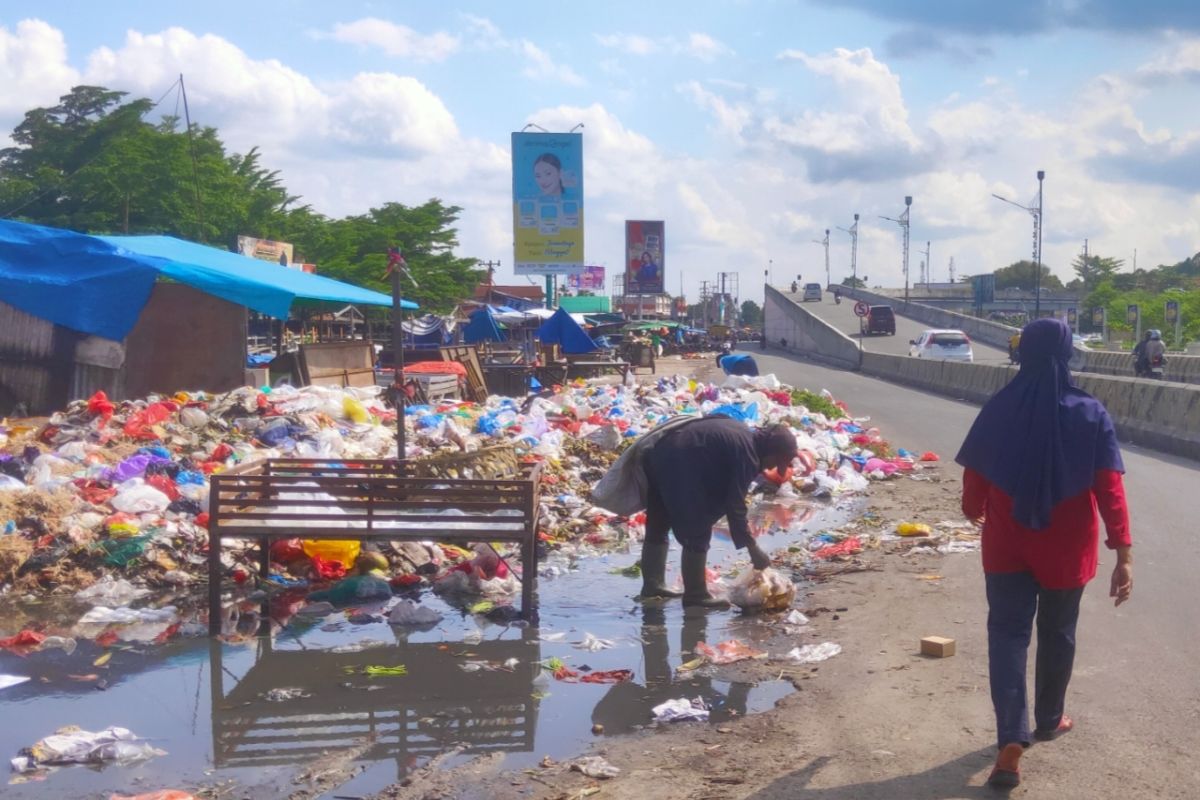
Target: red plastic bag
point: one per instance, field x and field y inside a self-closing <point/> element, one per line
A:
<point x="99" y="405"/>
<point x="23" y="642"/>
<point x="848" y="547"/>
<point x="328" y="570"/>
<point x="285" y="551"/>
<point x="608" y="676"/>
<point x="928" y="456"/>
<point x="164" y="485"/>
<point x="221" y="452"/>
<point x="140" y="425"/>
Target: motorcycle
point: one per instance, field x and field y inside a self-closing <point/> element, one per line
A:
<point x="1156" y="368"/>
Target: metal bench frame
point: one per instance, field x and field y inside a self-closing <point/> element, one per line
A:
<point x="371" y="502"/>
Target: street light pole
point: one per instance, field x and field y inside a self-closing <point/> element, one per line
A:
<point x="825" y="243"/>
<point x="1036" y="213"/>
<point x="853" y="231"/>
<point x="903" y="222"/>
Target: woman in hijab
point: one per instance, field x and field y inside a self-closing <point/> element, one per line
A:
<point x="1041" y="463"/>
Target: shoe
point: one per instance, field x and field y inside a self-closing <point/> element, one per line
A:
<point x="695" y="582"/>
<point x="1007" y="772"/>
<point x="1064" y="726"/>
<point x="654" y="572"/>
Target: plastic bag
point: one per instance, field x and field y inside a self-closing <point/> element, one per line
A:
<point x="138" y="498"/>
<point x="71" y="745"/>
<point x="409" y="613"/>
<point x="141" y="425"/>
<point x="109" y="592"/>
<point x="813" y="653"/>
<point x="161" y="794"/>
<point x="913" y="529"/>
<point x="354" y="589"/>
<point x="765" y="590"/>
<point x="342" y="551"/>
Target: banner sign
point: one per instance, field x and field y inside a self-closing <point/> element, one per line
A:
<point x="590" y="279"/>
<point x="1098" y="317"/>
<point x="644" y="250"/>
<point x="1131" y="314"/>
<point x="1072" y="317"/>
<point x="266" y="250"/>
<point x="1172" y="311"/>
<point x="547" y="203"/>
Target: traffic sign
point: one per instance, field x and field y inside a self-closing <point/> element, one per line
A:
<point x="861" y="308"/>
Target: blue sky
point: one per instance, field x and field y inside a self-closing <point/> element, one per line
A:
<point x="748" y="125"/>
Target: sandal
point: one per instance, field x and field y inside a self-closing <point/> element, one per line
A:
<point x="1007" y="772"/>
<point x="1064" y="726"/>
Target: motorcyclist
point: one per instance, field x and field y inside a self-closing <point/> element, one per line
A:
<point x="1014" y="348"/>
<point x="1154" y="351"/>
<point x="1139" y="355"/>
<point x="837" y="296"/>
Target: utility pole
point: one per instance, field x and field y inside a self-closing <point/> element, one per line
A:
<point x="902" y="221"/>
<point x="1036" y="213"/>
<point x="952" y="269"/>
<point x="926" y="266"/>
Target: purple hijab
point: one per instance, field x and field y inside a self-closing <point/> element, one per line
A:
<point x="1041" y="439"/>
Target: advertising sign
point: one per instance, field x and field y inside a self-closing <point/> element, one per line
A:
<point x="547" y="203"/>
<point x="1072" y="317"/>
<point x="1172" y="311"/>
<point x="644" y="249"/>
<point x="1098" y="317"/>
<point x="1131" y="314"/>
<point x="266" y="250"/>
<point x="590" y="279"/>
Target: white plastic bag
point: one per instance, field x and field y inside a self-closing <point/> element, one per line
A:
<point x="136" y="497"/>
<point x="766" y="590"/>
<point x="813" y="653"/>
<point x="407" y="612"/>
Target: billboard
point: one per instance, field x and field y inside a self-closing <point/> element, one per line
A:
<point x="644" y="249"/>
<point x="590" y="279"/>
<point x="547" y="203"/>
<point x="266" y="250"/>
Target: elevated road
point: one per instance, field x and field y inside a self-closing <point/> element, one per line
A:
<point x="841" y="316"/>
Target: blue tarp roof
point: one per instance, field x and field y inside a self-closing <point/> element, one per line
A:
<point x="482" y="327"/>
<point x="99" y="284"/>
<point x="563" y="330"/>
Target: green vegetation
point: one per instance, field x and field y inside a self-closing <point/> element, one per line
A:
<point x="93" y="163"/>
<point x="816" y="404"/>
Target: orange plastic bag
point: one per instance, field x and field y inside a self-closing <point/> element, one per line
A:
<point x="141" y="425"/>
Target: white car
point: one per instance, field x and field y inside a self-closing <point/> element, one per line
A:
<point x="812" y="291"/>
<point x="946" y="345"/>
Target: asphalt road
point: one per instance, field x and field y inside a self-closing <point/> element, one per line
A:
<point x="1135" y="693"/>
<point x="842" y="317"/>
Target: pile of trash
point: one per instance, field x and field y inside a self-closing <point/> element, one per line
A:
<point x="106" y="491"/>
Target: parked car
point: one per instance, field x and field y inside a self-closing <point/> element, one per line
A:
<point x="879" y="319"/>
<point x="812" y="291"/>
<point x="947" y="345"/>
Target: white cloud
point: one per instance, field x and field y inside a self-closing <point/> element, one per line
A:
<point x="33" y="68"/>
<point x="396" y="40"/>
<point x="697" y="45"/>
<point x="539" y="65"/>
<point x="1181" y="62"/>
<point x="731" y="117"/>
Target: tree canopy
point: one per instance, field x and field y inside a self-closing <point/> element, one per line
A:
<point x="1021" y="275"/>
<point x="751" y="313"/>
<point x="93" y="163"/>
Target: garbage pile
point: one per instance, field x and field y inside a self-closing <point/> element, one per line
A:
<point x="106" y="491"/>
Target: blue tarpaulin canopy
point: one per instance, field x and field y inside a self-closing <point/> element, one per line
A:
<point x="99" y="284"/>
<point x="562" y="329"/>
<point x="482" y="327"/>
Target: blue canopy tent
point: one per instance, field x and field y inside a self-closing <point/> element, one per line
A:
<point x="99" y="284"/>
<point x="562" y="329"/>
<point x="482" y="327"/>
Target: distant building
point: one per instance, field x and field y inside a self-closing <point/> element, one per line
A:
<point x="518" y="297"/>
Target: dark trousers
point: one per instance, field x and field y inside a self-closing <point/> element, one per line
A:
<point x="659" y="525"/>
<point x="1013" y="601"/>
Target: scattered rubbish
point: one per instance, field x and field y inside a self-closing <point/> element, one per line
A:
<point x="813" y="653"/>
<point x="795" y="617"/>
<point x="593" y="644"/>
<point x="937" y="646"/>
<point x="847" y="547"/>
<point x="913" y="529"/>
<point x="12" y="680"/>
<point x="72" y="745"/>
<point x="161" y="794"/>
<point x="407" y="612"/>
<point x="728" y="652"/>
<point x="766" y="590"/>
<point x="283" y="694"/>
<point x="681" y="709"/>
<point x="595" y="767"/>
<point x="109" y="591"/>
<point x="378" y="671"/>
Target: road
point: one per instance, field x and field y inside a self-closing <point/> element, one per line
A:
<point x="1134" y="696"/>
<point x="842" y="317"/>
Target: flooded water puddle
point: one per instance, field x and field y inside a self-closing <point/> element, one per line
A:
<point x="256" y="713"/>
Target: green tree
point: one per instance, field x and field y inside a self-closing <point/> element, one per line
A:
<point x="1094" y="270"/>
<point x="1021" y="275"/>
<point x="751" y="313"/>
<point x="854" y="283"/>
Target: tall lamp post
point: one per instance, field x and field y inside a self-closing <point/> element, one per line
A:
<point x="825" y="243"/>
<point x="902" y="221"/>
<point x="853" y="231"/>
<point x="1036" y="213"/>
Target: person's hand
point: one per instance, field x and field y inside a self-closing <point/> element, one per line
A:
<point x="758" y="556"/>
<point x="1122" y="582"/>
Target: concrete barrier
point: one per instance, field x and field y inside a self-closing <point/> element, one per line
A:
<point x="789" y="327"/>
<point x="1158" y="414"/>
<point x="1180" y="368"/>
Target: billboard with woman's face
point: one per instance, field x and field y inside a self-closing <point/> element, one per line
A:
<point x="547" y="203"/>
<point x="644" y="249"/>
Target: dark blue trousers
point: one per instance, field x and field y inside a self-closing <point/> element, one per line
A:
<point x="1014" y="599"/>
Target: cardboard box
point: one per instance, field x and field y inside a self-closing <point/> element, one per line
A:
<point x="937" y="646"/>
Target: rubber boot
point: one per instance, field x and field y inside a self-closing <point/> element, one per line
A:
<point x="654" y="571"/>
<point x="695" y="583"/>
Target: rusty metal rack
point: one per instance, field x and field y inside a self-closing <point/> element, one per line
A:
<point x="284" y="498"/>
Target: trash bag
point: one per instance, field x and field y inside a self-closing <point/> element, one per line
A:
<point x="354" y="589"/>
<point x="141" y="425"/>
<point x="765" y="590"/>
<point x="138" y="498"/>
<point x="342" y="551"/>
<point x="410" y="613"/>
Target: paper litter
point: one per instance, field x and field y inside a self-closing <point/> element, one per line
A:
<point x="595" y="767"/>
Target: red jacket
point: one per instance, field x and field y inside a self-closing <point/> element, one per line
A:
<point x="1061" y="556"/>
